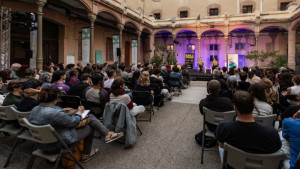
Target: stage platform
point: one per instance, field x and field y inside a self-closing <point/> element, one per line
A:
<point x="197" y="76"/>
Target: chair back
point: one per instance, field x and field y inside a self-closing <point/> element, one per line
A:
<point x="174" y="82"/>
<point x="71" y="101"/>
<point x="214" y="117"/>
<point x="156" y="89"/>
<point x="142" y="97"/>
<point x="7" y="113"/>
<point x="41" y="134"/>
<point x="21" y="115"/>
<point x="239" y="159"/>
<point x="291" y="97"/>
<point x="266" y="120"/>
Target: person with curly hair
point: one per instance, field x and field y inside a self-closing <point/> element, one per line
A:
<point x="16" y="95"/>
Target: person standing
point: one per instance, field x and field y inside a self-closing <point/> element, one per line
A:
<point x="200" y="64"/>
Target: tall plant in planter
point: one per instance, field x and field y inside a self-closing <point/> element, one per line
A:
<point x="260" y="56"/>
<point x="172" y="58"/>
<point x="160" y="50"/>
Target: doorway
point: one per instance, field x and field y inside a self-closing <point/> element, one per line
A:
<point x="127" y="53"/>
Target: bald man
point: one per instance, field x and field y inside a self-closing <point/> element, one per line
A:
<point x="214" y="102"/>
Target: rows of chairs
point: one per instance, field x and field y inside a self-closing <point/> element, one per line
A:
<point x="234" y="157"/>
<point x="29" y="132"/>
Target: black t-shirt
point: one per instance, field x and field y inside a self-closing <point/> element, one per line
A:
<point x="78" y="88"/>
<point x="249" y="137"/>
<point x="244" y="86"/>
<point x="290" y="111"/>
<point x="27" y="104"/>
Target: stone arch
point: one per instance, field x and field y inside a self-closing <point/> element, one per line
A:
<point x="212" y="29"/>
<point x="272" y="25"/>
<point x="295" y="23"/>
<point x="147" y="29"/>
<point x="247" y="2"/>
<point x="183" y="29"/>
<point x="114" y="14"/>
<point x="214" y="6"/>
<point x="241" y="27"/>
<point x="161" y="30"/>
<point x="88" y="4"/>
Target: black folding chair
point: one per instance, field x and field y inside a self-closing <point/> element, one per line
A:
<point x="174" y="84"/>
<point x="95" y="108"/>
<point x="143" y="98"/>
<point x="70" y="101"/>
<point x="158" y="97"/>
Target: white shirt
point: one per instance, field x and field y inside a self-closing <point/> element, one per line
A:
<point x="108" y="83"/>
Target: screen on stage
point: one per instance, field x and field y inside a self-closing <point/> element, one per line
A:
<point x="189" y="60"/>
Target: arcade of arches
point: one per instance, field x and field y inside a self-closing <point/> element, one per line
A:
<point x="116" y="31"/>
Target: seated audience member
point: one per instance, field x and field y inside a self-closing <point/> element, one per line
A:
<point x="186" y="75"/>
<point x="216" y="76"/>
<point x="156" y="79"/>
<point x="232" y="86"/>
<point x="45" y="78"/>
<point x="262" y="107"/>
<point x="16" y="95"/>
<point x="79" y="69"/>
<point x="290" y="111"/>
<point x="236" y="74"/>
<point x="285" y="81"/>
<point x="96" y="93"/>
<point x="73" y="77"/>
<point x="31" y="99"/>
<point x="168" y="69"/>
<point x="243" y="85"/>
<point x="143" y="83"/>
<point x="245" y="134"/>
<point x="135" y="77"/>
<point x="294" y="90"/>
<point x="250" y="78"/>
<point x="111" y="77"/>
<point x="214" y="102"/>
<point x="58" y="79"/>
<point x="103" y="69"/>
<point x="272" y="95"/>
<point x="165" y="74"/>
<point x="255" y="78"/>
<point x="224" y="73"/>
<point x="291" y="132"/>
<point x="175" y="74"/>
<point x="30" y="73"/>
<point x="117" y="93"/>
<point x="245" y="69"/>
<point x="124" y="74"/>
<point x="69" y="67"/>
<point x="49" y="69"/>
<point x="6" y="75"/>
<point x="14" y="68"/>
<point x="79" y="89"/>
<point x="65" y="125"/>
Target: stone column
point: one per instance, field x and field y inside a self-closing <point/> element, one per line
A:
<point x="121" y="27"/>
<point x="174" y="45"/>
<point x="292" y="49"/>
<point x="39" y="58"/>
<point x="92" y="18"/>
<point x="226" y="50"/>
<point x="139" y="46"/>
<point x="256" y="40"/>
<point x="199" y="47"/>
<point x="151" y="43"/>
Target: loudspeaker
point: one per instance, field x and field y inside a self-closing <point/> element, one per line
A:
<point x="118" y="52"/>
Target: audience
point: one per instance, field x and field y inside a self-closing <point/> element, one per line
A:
<point x="261" y="106"/>
<point x="157" y="79"/>
<point x="47" y="113"/>
<point x="46" y="79"/>
<point x="73" y="74"/>
<point x="16" y="93"/>
<point x="111" y="77"/>
<point x="243" y="85"/>
<point x="79" y="88"/>
<point x="58" y="79"/>
<point x="245" y="134"/>
<point x="31" y="99"/>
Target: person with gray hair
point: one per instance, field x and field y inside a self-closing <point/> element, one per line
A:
<point x="232" y="85"/>
<point x="217" y="76"/>
<point x="236" y="74"/>
<point x="45" y="78"/>
<point x="14" y="68"/>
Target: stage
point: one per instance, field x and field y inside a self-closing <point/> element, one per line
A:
<point x="197" y="76"/>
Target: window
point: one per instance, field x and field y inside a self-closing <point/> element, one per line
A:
<point x="213" y="47"/>
<point x="247" y="8"/>
<point x="109" y="49"/>
<point x="191" y="47"/>
<point x="183" y="14"/>
<point x="212" y="57"/>
<point x="284" y="5"/>
<point x="213" y="11"/>
<point x="170" y="47"/>
<point x="157" y="16"/>
<point x="239" y="46"/>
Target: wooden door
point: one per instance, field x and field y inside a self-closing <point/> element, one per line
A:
<point x="127" y="53"/>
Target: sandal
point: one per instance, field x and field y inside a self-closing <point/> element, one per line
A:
<point x="85" y="158"/>
<point x="114" y="136"/>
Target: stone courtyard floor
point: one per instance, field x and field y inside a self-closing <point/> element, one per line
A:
<point x="167" y="142"/>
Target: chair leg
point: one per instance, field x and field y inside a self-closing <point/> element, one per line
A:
<point x="30" y="162"/>
<point x="203" y="138"/>
<point x="11" y="153"/>
<point x="75" y="160"/>
<point x="58" y="160"/>
<point x="139" y="129"/>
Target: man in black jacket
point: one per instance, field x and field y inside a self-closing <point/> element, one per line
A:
<point x="79" y="89"/>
